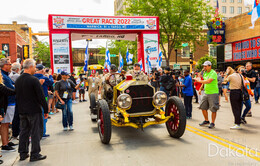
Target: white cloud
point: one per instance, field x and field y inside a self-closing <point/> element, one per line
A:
<point x="35" y="13"/>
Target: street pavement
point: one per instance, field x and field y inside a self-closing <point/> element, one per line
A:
<point x="153" y="146"/>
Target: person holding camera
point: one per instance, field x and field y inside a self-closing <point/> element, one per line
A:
<point x="63" y="91"/>
<point x="166" y="81"/>
<point x="154" y="77"/>
<point x="241" y="70"/>
<point x="252" y="77"/>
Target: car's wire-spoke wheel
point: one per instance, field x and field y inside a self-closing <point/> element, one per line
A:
<point x="175" y="125"/>
<point x="104" y="122"/>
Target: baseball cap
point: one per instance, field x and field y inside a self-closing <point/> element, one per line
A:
<point x="105" y="70"/>
<point x="63" y="73"/>
<point x="93" y="72"/>
<point x="207" y="63"/>
<point x="39" y="66"/>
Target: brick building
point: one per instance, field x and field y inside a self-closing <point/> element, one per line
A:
<point x="242" y="44"/>
<point x="13" y="38"/>
<point x="12" y="43"/>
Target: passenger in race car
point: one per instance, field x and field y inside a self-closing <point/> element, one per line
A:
<point x="138" y="74"/>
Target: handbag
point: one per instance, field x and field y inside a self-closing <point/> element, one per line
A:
<point x="59" y="105"/>
<point x="245" y="94"/>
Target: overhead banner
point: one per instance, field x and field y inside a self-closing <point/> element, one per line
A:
<point x="104" y="23"/>
<point x="77" y="36"/>
<point x="151" y="51"/>
<point x="228" y="52"/>
<point x="61" y="53"/>
<point x="246" y="49"/>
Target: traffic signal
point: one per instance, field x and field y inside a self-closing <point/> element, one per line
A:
<point x="191" y="58"/>
<point x="91" y="54"/>
<point x="25" y="51"/>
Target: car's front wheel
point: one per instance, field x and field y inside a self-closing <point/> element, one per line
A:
<point x="175" y="125"/>
<point x="104" y="122"/>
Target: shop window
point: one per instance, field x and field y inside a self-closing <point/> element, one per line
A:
<point x="213" y="51"/>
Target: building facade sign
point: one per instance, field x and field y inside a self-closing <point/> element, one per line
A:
<point x="246" y="49"/>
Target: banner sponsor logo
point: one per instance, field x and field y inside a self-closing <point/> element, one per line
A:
<point x="151" y="24"/>
<point x="58" y="22"/>
<point x="61" y="54"/>
<point x="151" y="51"/>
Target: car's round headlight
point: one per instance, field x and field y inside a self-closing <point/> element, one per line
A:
<point x="124" y="101"/>
<point x="159" y="98"/>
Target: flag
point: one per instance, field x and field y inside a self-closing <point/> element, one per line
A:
<point x="141" y="64"/>
<point x="121" y="63"/>
<point x="217" y="9"/>
<point x="86" y="58"/>
<point x="255" y="13"/>
<point x="159" y="59"/>
<point x="107" y="63"/>
<point x="129" y="57"/>
<point x="148" y="63"/>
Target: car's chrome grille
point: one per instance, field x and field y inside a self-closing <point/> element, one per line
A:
<point x="142" y="96"/>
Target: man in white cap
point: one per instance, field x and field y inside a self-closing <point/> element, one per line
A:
<point x="210" y="100"/>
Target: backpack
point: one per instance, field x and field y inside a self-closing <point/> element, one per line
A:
<point x="170" y="85"/>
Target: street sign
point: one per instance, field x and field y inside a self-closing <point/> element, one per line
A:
<point x="112" y="55"/>
<point x="185" y="44"/>
<point x="177" y="66"/>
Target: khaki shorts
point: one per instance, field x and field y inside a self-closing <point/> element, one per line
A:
<point x="9" y="115"/>
<point x="210" y="102"/>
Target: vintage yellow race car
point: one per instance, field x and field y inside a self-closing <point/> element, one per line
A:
<point x="136" y="104"/>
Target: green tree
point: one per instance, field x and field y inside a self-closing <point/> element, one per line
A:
<point x="1" y="56"/>
<point x="206" y="58"/>
<point x="181" y="21"/>
<point x="116" y="46"/>
<point x="42" y="53"/>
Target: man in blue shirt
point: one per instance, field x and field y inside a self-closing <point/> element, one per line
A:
<point x="46" y="83"/>
<point x="187" y="93"/>
<point x="5" y="65"/>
